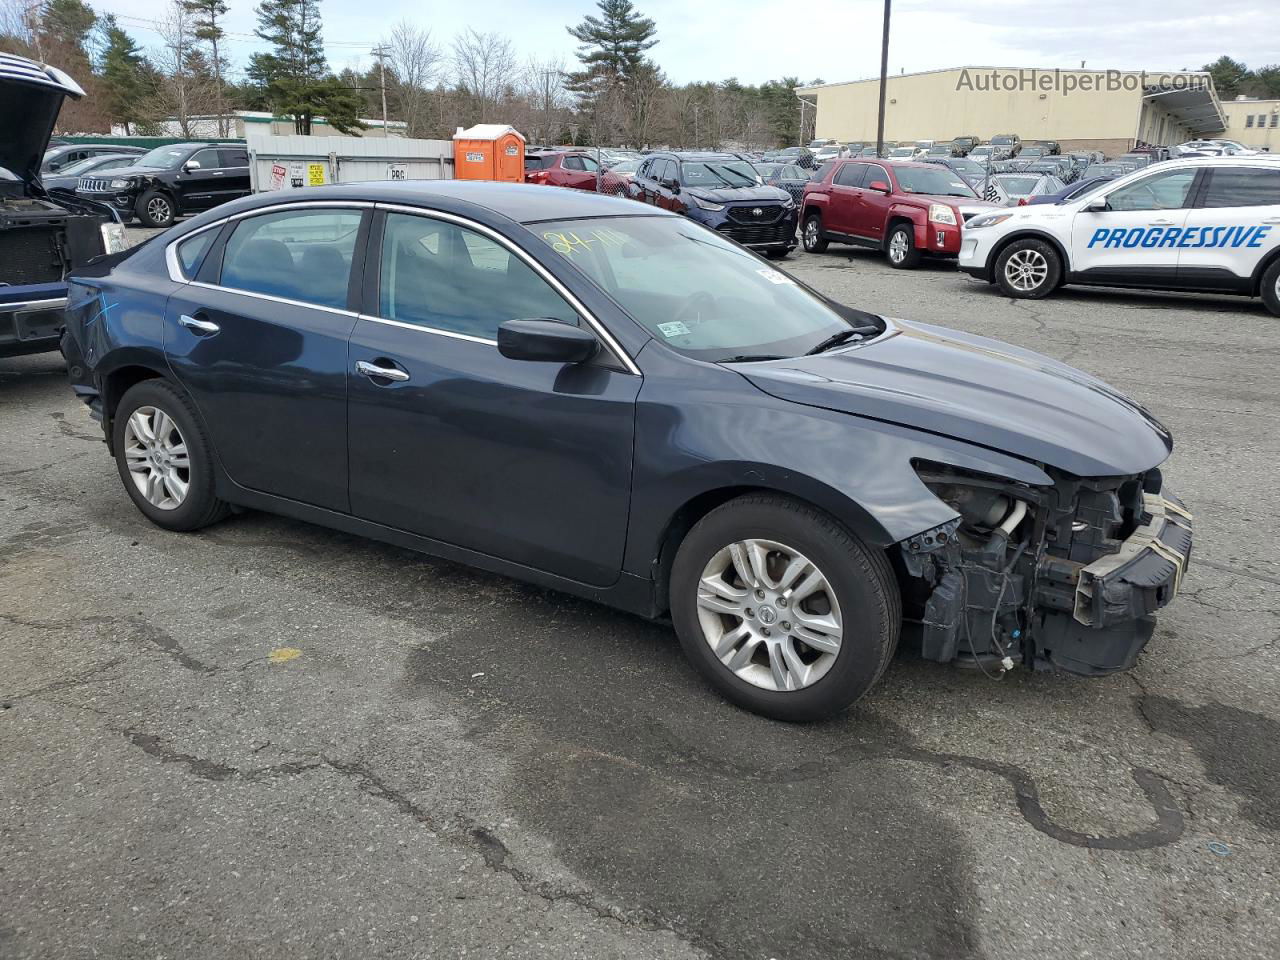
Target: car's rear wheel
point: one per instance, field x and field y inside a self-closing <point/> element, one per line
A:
<point x="164" y="458"/>
<point x="812" y="238"/>
<point x="1028" y="269"/>
<point x="784" y="610"/>
<point x="155" y="209"/>
<point x="1271" y="288"/>
<point x="901" y="247"/>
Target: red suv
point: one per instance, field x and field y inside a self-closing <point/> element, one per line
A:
<point x="907" y="210"/>
<point x="562" y="168"/>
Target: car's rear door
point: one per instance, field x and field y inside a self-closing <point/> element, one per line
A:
<point x="259" y="340"/>
<point x="842" y="213"/>
<point x="528" y="462"/>
<point x="1233" y="226"/>
<point x="235" y="173"/>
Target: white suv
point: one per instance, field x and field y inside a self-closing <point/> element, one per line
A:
<point x="1208" y="224"/>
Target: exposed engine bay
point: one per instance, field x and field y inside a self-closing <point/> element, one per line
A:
<point x="1063" y="577"/>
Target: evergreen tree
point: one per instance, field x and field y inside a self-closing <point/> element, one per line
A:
<point x="614" y="44"/>
<point x="208" y="16"/>
<point x="294" y="73"/>
<point x="1229" y="76"/>
<point x="126" y="77"/>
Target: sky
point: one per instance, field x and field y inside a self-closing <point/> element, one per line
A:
<point x="836" y="40"/>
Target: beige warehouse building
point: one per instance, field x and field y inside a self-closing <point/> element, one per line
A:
<point x="1107" y="110"/>
<point x="1255" y="123"/>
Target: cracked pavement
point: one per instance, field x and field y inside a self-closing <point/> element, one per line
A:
<point x="273" y="740"/>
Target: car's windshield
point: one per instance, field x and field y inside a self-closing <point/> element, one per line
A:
<point x="694" y="290"/>
<point x="717" y="173"/>
<point x="91" y="163"/>
<point x="1019" y="186"/>
<point x="625" y="166"/>
<point x="162" y="158"/>
<point x="938" y="181"/>
<point x="966" y="166"/>
<point x="1002" y="141"/>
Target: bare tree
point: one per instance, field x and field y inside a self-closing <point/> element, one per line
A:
<point x="414" y="61"/>
<point x="485" y="67"/>
<point x="18" y="22"/>
<point x="547" y="99"/>
<point x="186" y="88"/>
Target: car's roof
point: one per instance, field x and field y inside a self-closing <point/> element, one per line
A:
<point x="521" y="202"/>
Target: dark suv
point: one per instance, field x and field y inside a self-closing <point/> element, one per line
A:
<point x="722" y="192"/>
<point x="44" y="233"/>
<point x="172" y="180"/>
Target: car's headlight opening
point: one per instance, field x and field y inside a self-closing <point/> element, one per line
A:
<point x="990" y="220"/>
<point x="941" y="213"/>
<point x="119" y="183"/>
<point x="707" y="204"/>
<point x="113" y="238"/>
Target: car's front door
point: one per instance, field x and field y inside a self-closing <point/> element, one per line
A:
<point x="1235" y="224"/>
<point x="580" y="171"/>
<point x="200" y="181"/>
<point x="1134" y="237"/>
<point x="529" y="462"/>
<point x="260" y="343"/>
<point x="874" y="202"/>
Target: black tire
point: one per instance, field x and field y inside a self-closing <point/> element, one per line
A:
<point x="200" y="507"/>
<point x="909" y="259"/>
<point x="860" y="577"/>
<point x="1271" y="288"/>
<point x="1041" y="257"/>
<point x="155" y="209"/>
<point x="811" y="235"/>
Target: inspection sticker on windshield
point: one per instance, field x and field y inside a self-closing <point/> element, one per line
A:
<point x="774" y="276"/>
<point x="673" y="329"/>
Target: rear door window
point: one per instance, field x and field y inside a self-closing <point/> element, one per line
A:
<point x="1243" y="187"/>
<point x="302" y="255"/>
<point x="234" y="157"/>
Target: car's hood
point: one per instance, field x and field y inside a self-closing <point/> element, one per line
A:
<point x="758" y="193"/>
<point x="31" y="95"/>
<point x="981" y="391"/>
<point x="963" y="204"/>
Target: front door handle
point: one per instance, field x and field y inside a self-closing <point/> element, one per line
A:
<point x="372" y="370"/>
<point x="1161" y="223"/>
<point x="199" y="326"/>
<point x="1272" y="220"/>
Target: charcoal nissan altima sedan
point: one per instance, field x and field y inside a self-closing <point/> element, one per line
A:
<point x="617" y="402"/>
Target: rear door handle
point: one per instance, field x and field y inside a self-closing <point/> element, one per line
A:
<point x="372" y="370"/>
<point x="1161" y="223"/>
<point x="1272" y="220"/>
<point x="199" y="326"/>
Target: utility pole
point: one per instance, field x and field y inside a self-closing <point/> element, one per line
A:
<point x="884" y="75"/>
<point x="380" y="52"/>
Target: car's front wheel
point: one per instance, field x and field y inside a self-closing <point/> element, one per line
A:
<point x="164" y="458"/>
<point x="155" y="209"/>
<point x="783" y="609"/>
<point x="1028" y="269"/>
<point x="811" y="237"/>
<point x="901" y="247"/>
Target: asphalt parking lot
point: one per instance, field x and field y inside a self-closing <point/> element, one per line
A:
<point x="269" y="739"/>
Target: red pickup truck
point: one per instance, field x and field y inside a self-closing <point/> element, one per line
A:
<point x="908" y="210"/>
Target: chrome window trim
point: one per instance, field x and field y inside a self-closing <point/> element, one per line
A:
<point x="422" y="328"/>
<point x="171" y="251"/>
<point x="271" y="298"/>
<point x="614" y="347"/>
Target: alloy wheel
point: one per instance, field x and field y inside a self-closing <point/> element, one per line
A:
<point x="1026" y="270"/>
<point x="769" y="615"/>
<point x="158" y="209"/>
<point x="156" y="454"/>
<point x="898" y="247"/>
<point x="811" y="233"/>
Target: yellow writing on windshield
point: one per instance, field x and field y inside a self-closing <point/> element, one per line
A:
<point x="569" y="242"/>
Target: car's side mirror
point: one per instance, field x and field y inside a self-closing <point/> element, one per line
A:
<point x="879" y="186"/>
<point x="191" y="165"/>
<point x="550" y="341"/>
<point x="1097" y="205"/>
<point x="671" y="184"/>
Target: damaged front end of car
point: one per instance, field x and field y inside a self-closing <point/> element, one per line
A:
<point x="1065" y="577"/>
